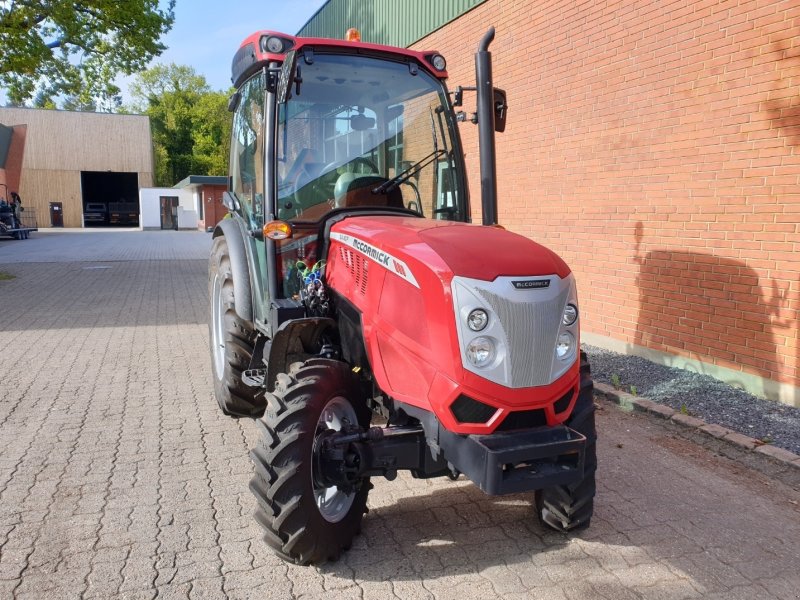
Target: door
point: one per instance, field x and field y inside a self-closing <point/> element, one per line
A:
<point x="56" y="214"/>
<point x="169" y="212"/>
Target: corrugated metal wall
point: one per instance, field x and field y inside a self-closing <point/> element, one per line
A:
<point x="390" y="22"/>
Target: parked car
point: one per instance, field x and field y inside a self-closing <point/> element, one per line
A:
<point x="95" y="213"/>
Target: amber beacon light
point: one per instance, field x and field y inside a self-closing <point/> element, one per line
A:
<point x="353" y="35"/>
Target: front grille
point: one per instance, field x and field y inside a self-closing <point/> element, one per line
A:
<point x="523" y="419"/>
<point x="467" y="410"/>
<point x="531" y="329"/>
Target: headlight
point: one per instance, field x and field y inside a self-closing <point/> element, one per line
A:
<point x="477" y="319"/>
<point x="274" y="45"/>
<point x="438" y="62"/>
<point x="481" y="351"/>
<point x="565" y="345"/>
<point x="570" y="315"/>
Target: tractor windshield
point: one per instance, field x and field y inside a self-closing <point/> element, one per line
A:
<point x="361" y="131"/>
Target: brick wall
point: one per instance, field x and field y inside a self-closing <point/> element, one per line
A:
<point x="656" y="147"/>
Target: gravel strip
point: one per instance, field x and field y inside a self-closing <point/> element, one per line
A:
<point x="700" y="396"/>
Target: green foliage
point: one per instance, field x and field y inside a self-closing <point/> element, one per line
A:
<point x="6" y="276"/>
<point x="77" y="49"/>
<point x="190" y="123"/>
<point x="634" y="391"/>
<point x="615" y="381"/>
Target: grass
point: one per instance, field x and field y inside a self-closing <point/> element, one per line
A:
<point x="6" y="276"/>
<point x="615" y="381"/>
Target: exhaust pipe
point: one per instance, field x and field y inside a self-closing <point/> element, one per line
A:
<point x="485" y="89"/>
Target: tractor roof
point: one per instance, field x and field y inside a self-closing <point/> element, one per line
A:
<point x="254" y="52"/>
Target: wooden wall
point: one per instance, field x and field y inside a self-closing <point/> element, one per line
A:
<point x="39" y="187"/>
<point x="61" y="144"/>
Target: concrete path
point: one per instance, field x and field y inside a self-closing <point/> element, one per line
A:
<point x="119" y="477"/>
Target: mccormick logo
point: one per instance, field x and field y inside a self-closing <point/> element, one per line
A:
<point x="531" y="284"/>
<point x="386" y="260"/>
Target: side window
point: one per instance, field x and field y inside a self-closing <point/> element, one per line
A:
<point x="247" y="151"/>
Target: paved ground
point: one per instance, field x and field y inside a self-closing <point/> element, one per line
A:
<point x="119" y="477"/>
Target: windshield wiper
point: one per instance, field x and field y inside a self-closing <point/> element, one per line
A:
<point x="407" y="174"/>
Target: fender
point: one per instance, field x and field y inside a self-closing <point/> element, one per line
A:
<point x="242" y="290"/>
<point x="294" y="341"/>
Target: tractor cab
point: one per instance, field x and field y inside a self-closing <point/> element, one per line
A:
<point x="327" y="127"/>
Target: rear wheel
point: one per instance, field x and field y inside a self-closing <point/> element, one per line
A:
<point x="230" y="337"/>
<point x="570" y="507"/>
<point x="306" y="521"/>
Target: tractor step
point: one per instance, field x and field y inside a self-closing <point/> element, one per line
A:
<point x="254" y="377"/>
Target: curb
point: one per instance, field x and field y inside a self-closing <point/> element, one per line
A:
<point x="774" y="462"/>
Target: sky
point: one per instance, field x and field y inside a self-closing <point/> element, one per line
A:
<point x="207" y="33"/>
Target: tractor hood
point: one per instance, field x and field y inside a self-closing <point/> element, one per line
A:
<point x="461" y="249"/>
<point x="399" y="281"/>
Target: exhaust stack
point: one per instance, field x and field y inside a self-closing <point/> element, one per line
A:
<point x="485" y="101"/>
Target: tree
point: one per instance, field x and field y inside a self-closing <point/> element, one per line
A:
<point x="190" y="123"/>
<point x="55" y="47"/>
<point x="212" y="133"/>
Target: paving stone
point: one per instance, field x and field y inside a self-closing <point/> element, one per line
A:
<point x="778" y="454"/>
<point x="687" y="420"/>
<point x="130" y="483"/>
<point x="718" y="431"/>
<point x="740" y="440"/>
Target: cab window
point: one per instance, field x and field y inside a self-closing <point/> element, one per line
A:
<point x="247" y="151"/>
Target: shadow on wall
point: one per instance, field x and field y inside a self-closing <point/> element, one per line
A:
<point x="700" y="304"/>
<point x="784" y="109"/>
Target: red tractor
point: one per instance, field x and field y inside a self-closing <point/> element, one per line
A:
<point x="361" y="318"/>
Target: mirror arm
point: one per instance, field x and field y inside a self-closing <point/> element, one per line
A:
<point x="271" y="78"/>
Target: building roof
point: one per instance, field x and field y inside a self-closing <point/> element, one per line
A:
<point x="193" y="180"/>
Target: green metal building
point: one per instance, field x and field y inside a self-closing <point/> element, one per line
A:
<point x="385" y="21"/>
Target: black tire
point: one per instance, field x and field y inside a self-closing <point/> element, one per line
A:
<point x="231" y="339"/>
<point x="297" y="529"/>
<point x="570" y="507"/>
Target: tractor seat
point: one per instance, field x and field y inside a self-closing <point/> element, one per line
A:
<point x="353" y="189"/>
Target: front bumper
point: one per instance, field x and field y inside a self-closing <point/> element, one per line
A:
<point x="519" y="461"/>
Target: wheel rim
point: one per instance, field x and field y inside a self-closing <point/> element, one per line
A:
<point x="217" y="345"/>
<point x="332" y="503"/>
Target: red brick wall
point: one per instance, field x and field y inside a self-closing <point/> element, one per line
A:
<point x="656" y="147"/>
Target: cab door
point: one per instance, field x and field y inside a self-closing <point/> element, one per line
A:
<point x="248" y="162"/>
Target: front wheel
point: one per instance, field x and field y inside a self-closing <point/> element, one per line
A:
<point x="230" y="337"/>
<point x="570" y="507"/>
<point x="305" y="521"/>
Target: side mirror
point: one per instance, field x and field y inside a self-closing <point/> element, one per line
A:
<point x="500" y="110"/>
<point x="287" y="77"/>
<point x="233" y="101"/>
